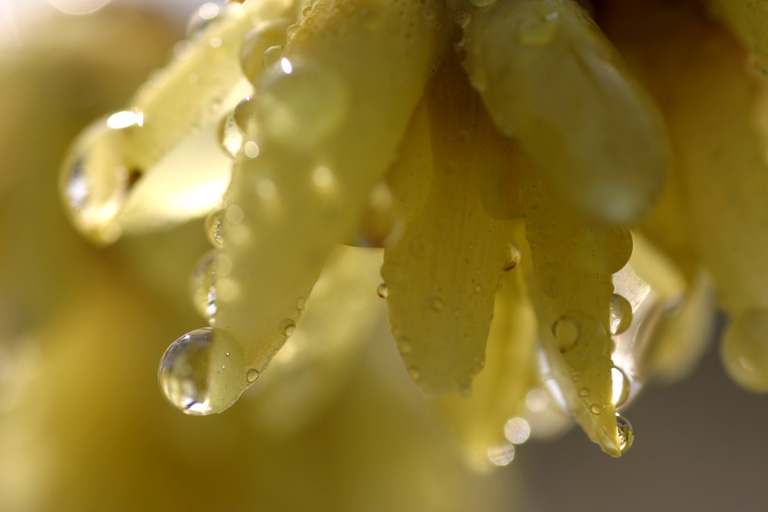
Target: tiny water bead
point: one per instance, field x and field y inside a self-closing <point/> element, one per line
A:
<point x="214" y="228"/>
<point x="287" y="107"/>
<point x="230" y="137"/>
<point x="287" y="327"/>
<point x="626" y="433"/>
<point x="266" y="35"/>
<point x="744" y="350"/>
<point x="203" y="286"/>
<point x="252" y="375"/>
<point x="382" y="291"/>
<point x="512" y="258"/>
<point x="539" y="31"/>
<point x="620" y="314"/>
<point x="566" y="331"/>
<point x="201" y="373"/>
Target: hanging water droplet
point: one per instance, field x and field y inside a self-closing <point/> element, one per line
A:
<point x="197" y="377"/>
<point x="404" y="344"/>
<point x="621" y="314"/>
<point x="512" y="258"/>
<point x="539" y="31"/>
<point x="382" y="290"/>
<point x="202" y="284"/>
<point x="621" y="386"/>
<point x="626" y="433"/>
<point x="206" y="15"/>
<point x="566" y="331"/>
<point x="301" y="103"/>
<point x="230" y="137"/>
<point x="436" y="304"/>
<point x="266" y="35"/>
<point x="214" y="227"/>
<point x="96" y="179"/>
<point x="287" y="327"/>
<point x="252" y="375"/>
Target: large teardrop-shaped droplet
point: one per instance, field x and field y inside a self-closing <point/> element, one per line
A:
<point x="620" y="314"/>
<point x="201" y="373"/>
<point x="626" y="433"/>
<point x="265" y="35"/>
<point x="96" y="177"/>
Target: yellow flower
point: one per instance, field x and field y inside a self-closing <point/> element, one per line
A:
<point x="499" y="151"/>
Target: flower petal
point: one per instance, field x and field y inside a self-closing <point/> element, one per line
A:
<point x="443" y="271"/>
<point x="499" y="390"/>
<point x="323" y="143"/>
<point x="550" y="77"/>
<point x="571" y="288"/>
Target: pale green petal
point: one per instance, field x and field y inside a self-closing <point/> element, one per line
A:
<point x="550" y="78"/>
<point x="322" y="144"/>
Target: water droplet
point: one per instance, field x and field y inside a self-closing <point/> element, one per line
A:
<point x="621" y="314"/>
<point x="477" y="288"/>
<point x="196" y="376"/>
<point x="626" y="433"/>
<point x="301" y="303"/>
<point x="230" y="137"/>
<point x="404" y="344"/>
<point x="566" y="331"/>
<point x="462" y="18"/>
<point x="252" y="375"/>
<point x="382" y="291"/>
<point x="213" y="228"/>
<point x="202" y="284"/>
<point x="512" y="258"/>
<point x="300" y="106"/>
<point x="539" y="31"/>
<point x="207" y="15"/>
<point x="621" y="386"/>
<point x="287" y="327"/>
<point x="482" y="3"/>
<point x="271" y="56"/>
<point x="414" y="373"/>
<point x="96" y="177"/>
<point x="436" y="303"/>
<point x="596" y="409"/>
<point x="501" y="455"/>
<point x="584" y="392"/>
<point x="744" y="350"/>
<point x="266" y="35"/>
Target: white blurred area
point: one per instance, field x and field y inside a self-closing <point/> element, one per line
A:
<point x="15" y="15"/>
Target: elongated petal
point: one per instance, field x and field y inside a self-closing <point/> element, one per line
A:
<point x="571" y="289"/>
<point x="319" y="358"/>
<point x="549" y="76"/>
<point x="159" y="162"/>
<point x="443" y="272"/>
<point x="499" y="391"/>
<point x="322" y="144"/>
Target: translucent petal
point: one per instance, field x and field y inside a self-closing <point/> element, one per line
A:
<point x="749" y="22"/>
<point x="443" y="272"/>
<point x="319" y="357"/>
<point x="499" y="391"/>
<point x="571" y="289"/>
<point x="159" y="163"/>
<point x="550" y="77"/>
<point x="323" y="144"/>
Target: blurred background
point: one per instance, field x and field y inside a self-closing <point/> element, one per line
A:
<point x="84" y="427"/>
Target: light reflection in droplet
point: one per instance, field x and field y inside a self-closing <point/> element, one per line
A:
<point x="286" y="66"/>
